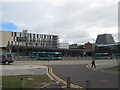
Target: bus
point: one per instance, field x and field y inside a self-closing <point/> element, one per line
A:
<point x="46" y="55"/>
<point x="116" y="55"/>
<point x="102" y="56"/>
<point x="32" y="55"/>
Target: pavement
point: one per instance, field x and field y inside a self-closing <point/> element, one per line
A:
<point x="22" y="70"/>
<point x="106" y="67"/>
<point x="60" y="62"/>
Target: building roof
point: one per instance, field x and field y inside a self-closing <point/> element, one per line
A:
<point x="105" y="39"/>
<point x="107" y="44"/>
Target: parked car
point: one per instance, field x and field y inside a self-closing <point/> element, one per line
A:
<point x="6" y="58"/>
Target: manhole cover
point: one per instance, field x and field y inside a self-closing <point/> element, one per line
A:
<point x="104" y="80"/>
<point x="38" y="68"/>
<point x="30" y="66"/>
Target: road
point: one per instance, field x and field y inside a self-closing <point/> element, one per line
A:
<point x="79" y="74"/>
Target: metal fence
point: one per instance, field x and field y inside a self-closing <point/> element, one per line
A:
<point x="26" y="58"/>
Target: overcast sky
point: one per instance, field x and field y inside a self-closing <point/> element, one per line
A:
<point x="77" y="21"/>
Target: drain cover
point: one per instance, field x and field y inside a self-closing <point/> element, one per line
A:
<point x="38" y="68"/>
<point x="30" y="66"/>
<point x="103" y="80"/>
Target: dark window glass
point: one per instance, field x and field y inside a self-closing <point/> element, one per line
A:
<point x="12" y="33"/>
<point x="50" y="36"/>
<point x="33" y="40"/>
<point x="26" y="44"/>
<point x="8" y="42"/>
<point x="14" y="39"/>
<point x="44" y="36"/>
<point x="9" y="56"/>
<point x="25" y="34"/>
<point x="30" y="35"/>
<point x="54" y="37"/>
<point x="3" y="56"/>
<point x="15" y="33"/>
<point x="37" y="35"/>
<point x="20" y="34"/>
<point x="11" y="42"/>
<point x="33" y="35"/>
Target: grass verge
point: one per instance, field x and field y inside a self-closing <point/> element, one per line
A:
<point x="117" y="67"/>
<point x="25" y="81"/>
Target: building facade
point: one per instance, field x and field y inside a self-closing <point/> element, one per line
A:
<point x="105" y="44"/>
<point x="104" y="39"/>
<point x="64" y="45"/>
<point x="73" y="46"/>
<point x="28" y="39"/>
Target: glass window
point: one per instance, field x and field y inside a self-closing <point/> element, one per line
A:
<point x="3" y="56"/>
<point x="30" y="35"/>
<point x="15" y="33"/>
<point x="33" y="35"/>
<point x="9" y="56"/>
<point x="12" y="33"/>
<point x="37" y="35"/>
<point x="20" y="34"/>
<point x="8" y="42"/>
<point x="45" y="36"/>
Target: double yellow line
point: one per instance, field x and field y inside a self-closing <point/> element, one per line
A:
<point x="62" y="81"/>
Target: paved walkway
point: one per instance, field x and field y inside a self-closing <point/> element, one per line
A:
<point x="60" y="62"/>
<point x="22" y="70"/>
<point x="106" y="67"/>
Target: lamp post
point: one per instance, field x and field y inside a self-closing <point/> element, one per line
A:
<point x="93" y="49"/>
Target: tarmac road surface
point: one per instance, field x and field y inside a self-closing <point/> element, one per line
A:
<point x="79" y="74"/>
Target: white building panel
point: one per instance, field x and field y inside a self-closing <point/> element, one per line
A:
<point x="64" y="45"/>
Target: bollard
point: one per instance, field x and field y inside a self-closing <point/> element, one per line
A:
<point x="68" y="82"/>
<point x="88" y="84"/>
<point x="22" y="82"/>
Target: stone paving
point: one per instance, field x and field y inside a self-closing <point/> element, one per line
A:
<point x="61" y="62"/>
<point x="22" y="70"/>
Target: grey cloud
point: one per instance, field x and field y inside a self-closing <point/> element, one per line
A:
<point x="72" y="21"/>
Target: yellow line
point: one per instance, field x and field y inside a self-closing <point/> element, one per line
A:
<point x="60" y="80"/>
